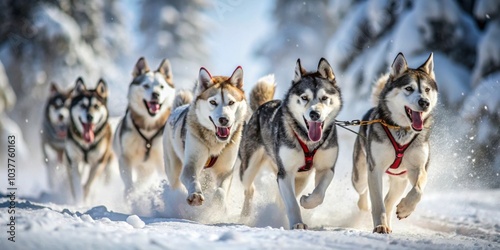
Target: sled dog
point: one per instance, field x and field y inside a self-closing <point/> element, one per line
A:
<point x="296" y="136"/>
<point x="88" y="146"/>
<point x="54" y="131"/>
<point x="137" y="141"/>
<point x="205" y="135"/>
<point x="398" y="146"/>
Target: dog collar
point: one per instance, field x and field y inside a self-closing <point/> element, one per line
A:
<point x="399" y="150"/>
<point x="308" y="155"/>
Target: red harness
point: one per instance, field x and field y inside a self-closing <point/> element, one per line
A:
<point x="308" y="155"/>
<point x="210" y="162"/>
<point x="399" y="150"/>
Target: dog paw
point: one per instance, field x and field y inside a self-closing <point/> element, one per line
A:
<point x="381" y="229"/>
<point x="310" y="201"/>
<point x="195" y="199"/>
<point x="299" y="226"/>
<point x="404" y="209"/>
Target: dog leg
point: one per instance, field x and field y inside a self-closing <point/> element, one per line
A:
<point x="397" y="186"/>
<point x="251" y="167"/>
<point x="173" y="167"/>
<point x="75" y="182"/>
<point x="223" y="182"/>
<point x="287" y="191"/>
<point x="418" y="179"/>
<point x="94" y="172"/>
<point x="379" y="215"/>
<point x="360" y="176"/>
<point x="126" y="174"/>
<point x="323" y="180"/>
<point x="194" y="160"/>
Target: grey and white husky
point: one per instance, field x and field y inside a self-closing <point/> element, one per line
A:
<point x="137" y="143"/>
<point x="205" y="135"/>
<point x="296" y="136"/>
<point x="55" y="128"/>
<point x="88" y="146"/>
<point x="399" y="145"/>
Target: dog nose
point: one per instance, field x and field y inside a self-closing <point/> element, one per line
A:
<point x="424" y="103"/>
<point x="314" y="115"/>
<point x="61" y="117"/>
<point x="223" y="121"/>
<point x="89" y="118"/>
<point x="155" y="95"/>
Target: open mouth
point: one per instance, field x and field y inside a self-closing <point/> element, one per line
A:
<point x="415" y="118"/>
<point x="61" y="130"/>
<point x="88" y="131"/>
<point x="222" y="133"/>
<point x="314" y="129"/>
<point x="153" y="107"/>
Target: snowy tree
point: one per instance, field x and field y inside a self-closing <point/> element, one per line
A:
<point x="175" y="30"/>
<point x="302" y="29"/>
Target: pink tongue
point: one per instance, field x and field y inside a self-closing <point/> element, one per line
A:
<point x="315" y="131"/>
<point x="88" y="132"/>
<point x="416" y="118"/>
<point x="153" y="107"/>
<point x="222" y="132"/>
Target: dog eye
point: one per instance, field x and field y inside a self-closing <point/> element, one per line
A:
<point x="146" y="86"/>
<point x="230" y="103"/>
<point x="304" y="98"/>
<point x="213" y="102"/>
<point x="162" y="87"/>
<point x="96" y="106"/>
<point x="410" y="89"/>
<point x="427" y="90"/>
<point x="83" y="106"/>
<point x="324" y="98"/>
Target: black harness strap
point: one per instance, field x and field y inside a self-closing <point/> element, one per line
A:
<point x="149" y="141"/>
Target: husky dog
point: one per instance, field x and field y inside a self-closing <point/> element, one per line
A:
<point x="295" y="136"/>
<point x="55" y="128"/>
<point x="399" y="145"/>
<point x="137" y="143"/>
<point x="206" y="134"/>
<point x="88" y="147"/>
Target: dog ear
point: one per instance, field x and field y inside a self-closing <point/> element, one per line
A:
<point x="428" y="66"/>
<point x="236" y="78"/>
<point x="79" y="87"/>
<point x="204" y="80"/>
<point x="141" y="67"/>
<point x="54" y="90"/>
<point x="166" y="69"/>
<point x="102" y="88"/>
<point x="325" y="70"/>
<point x="299" y="72"/>
<point x="399" y="66"/>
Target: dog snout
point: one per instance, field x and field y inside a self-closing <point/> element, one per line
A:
<point x="90" y="118"/>
<point x="424" y="103"/>
<point x="223" y="121"/>
<point x="155" y="95"/>
<point x="314" y="115"/>
<point x="60" y="117"/>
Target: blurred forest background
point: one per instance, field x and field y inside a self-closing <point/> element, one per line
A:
<point x="46" y="41"/>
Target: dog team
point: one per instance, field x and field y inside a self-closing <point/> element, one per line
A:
<point x="213" y="129"/>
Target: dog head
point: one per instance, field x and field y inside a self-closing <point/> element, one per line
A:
<point x="151" y="93"/>
<point x="410" y="94"/>
<point x="88" y="109"/>
<point x="57" y="110"/>
<point x="314" y="100"/>
<point x="220" y="102"/>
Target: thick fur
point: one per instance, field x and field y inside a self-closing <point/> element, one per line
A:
<point x="400" y="89"/>
<point x="55" y="128"/>
<point x="209" y="127"/>
<point x="88" y="147"/>
<point x="138" y="144"/>
<point x="271" y="138"/>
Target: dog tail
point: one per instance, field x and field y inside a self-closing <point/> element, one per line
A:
<point x="262" y="92"/>
<point x="378" y="87"/>
<point x="182" y="97"/>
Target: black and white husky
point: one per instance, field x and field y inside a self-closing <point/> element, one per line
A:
<point x="297" y="136"/>
<point x="398" y="146"/>
<point x="54" y="131"/>
<point x="137" y="143"/>
<point x="88" y="146"/>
